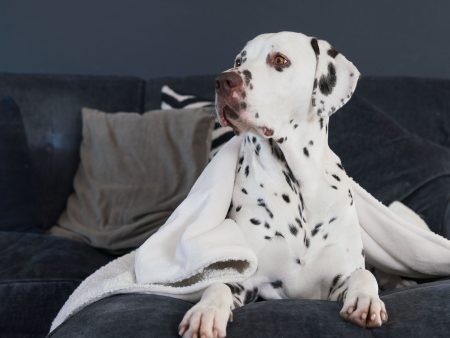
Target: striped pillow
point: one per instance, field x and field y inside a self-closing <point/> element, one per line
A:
<point x="173" y="100"/>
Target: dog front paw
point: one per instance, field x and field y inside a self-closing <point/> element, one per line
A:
<point x="209" y="317"/>
<point x="364" y="310"/>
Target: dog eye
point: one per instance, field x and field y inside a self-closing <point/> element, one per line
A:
<point x="280" y="60"/>
<point x="238" y="62"/>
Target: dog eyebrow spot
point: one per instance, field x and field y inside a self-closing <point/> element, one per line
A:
<point x="244" y="53"/>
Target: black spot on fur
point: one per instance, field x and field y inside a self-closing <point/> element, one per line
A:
<point x="321" y="123"/>
<point x="244" y="191"/>
<point x="243" y="105"/>
<point x="267" y="225"/>
<point x="325" y="236"/>
<point x="247" y="170"/>
<point x="278" y="234"/>
<point x="351" y="196"/>
<point x="363" y="252"/>
<point x="277" y="284"/>
<point x="247" y="76"/>
<point x="286" y="198"/>
<point x="280" y="140"/>
<point x="328" y="82"/>
<point x="340" y="166"/>
<point x="306" y="240"/>
<point x="293" y="229"/>
<point x="315" y="46"/>
<point x="244" y="53"/>
<point x="332" y="219"/>
<point x="295" y="126"/>
<point x="263" y="204"/>
<point x="235" y="290"/>
<point x="332" y="52"/>
<point x="254" y="139"/>
<point x="316" y="229"/>
<point x="255" y="221"/>
<point x="251" y="295"/>
<point x="261" y="185"/>
<point x="334" y="187"/>
<point x="257" y="115"/>
<point x="315" y="84"/>
<point x="277" y="151"/>
<point x="268" y="238"/>
<point x="299" y="222"/>
<point x="336" y="177"/>
<point x="311" y="142"/>
<point x="306" y="152"/>
<point x="231" y="207"/>
<point x="298" y="261"/>
<point x="241" y="159"/>
<point x="257" y="149"/>
<point x="238" y="208"/>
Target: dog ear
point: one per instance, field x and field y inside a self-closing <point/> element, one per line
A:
<point x="334" y="81"/>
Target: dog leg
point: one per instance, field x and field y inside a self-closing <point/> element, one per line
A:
<point x="208" y="318"/>
<point x="362" y="305"/>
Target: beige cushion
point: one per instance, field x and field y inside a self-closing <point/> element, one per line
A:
<point x="134" y="171"/>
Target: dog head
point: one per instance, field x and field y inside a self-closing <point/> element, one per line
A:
<point x="282" y="77"/>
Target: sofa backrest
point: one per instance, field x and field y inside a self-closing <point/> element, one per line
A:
<point x="51" y="111"/>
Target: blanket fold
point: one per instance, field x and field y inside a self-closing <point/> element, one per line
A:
<point x="198" y="246"/>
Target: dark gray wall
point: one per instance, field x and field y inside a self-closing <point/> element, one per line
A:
<point x="165" y="37"/>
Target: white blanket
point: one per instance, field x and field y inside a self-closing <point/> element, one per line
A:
<point x="198" y="246"/>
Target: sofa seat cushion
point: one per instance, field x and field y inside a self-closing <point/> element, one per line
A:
<point x="37" y="275"/>
<point x="413" y="312"/>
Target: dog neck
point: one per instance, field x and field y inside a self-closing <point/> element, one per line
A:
<point x="303" y="146"/>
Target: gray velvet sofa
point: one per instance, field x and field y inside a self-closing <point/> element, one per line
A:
<point x="39" y="271"/>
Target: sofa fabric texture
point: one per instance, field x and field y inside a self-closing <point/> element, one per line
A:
<point x="157" y="316"/>
<point x="19" y="210"/>
<point x="40" y="271"/>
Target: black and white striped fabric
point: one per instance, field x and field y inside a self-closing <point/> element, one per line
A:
<point x="173" y="100"/>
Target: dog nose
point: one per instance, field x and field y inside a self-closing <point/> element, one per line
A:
<point x="227" y="82"/>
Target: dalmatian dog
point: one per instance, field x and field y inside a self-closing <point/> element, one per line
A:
<point x="291" y="197"/>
